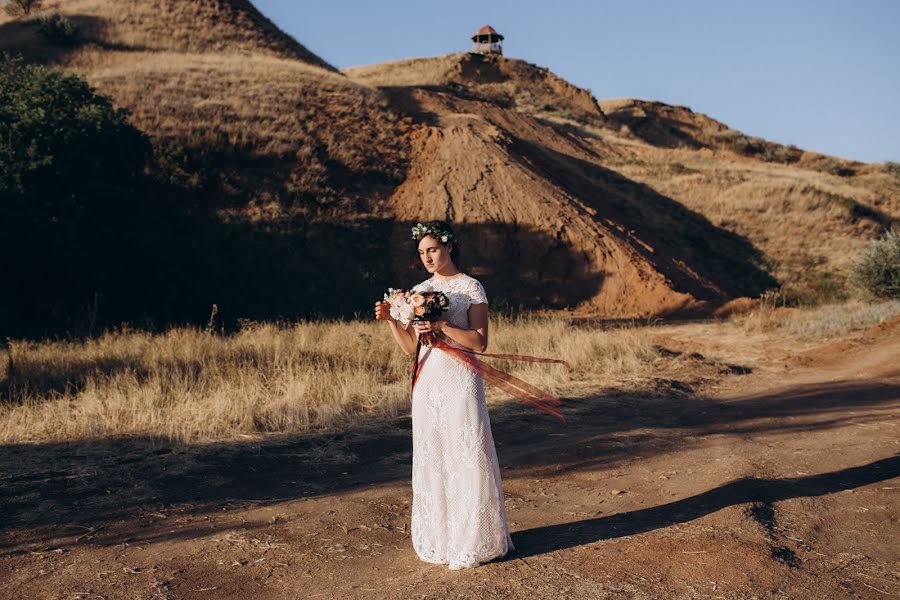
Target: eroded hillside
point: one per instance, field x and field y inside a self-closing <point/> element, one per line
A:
<point x="634" y="207"/>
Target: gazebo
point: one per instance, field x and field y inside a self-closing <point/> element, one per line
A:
<point x="487" y="41"/>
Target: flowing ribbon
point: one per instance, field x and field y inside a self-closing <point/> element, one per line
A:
<point x="510" y="384"/>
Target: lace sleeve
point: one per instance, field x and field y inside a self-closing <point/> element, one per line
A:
<point x="477" y="293"/>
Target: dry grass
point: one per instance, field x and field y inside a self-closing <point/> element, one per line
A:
<point x="819" y="323"/>
<point x="270" y="106"/>
<point x="413" y="72"/>
<point x="194" y="386"/>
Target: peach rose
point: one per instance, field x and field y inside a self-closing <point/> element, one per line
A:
<point x="417" y="300"/>
<point x="420" y="310"/>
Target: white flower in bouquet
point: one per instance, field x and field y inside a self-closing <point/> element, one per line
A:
<point x="401" y="310"/>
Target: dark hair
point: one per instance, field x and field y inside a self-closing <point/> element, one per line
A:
<point x="444" y="227"/>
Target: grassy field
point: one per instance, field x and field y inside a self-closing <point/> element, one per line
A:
<point x="819" y="323"/>
<point x="194" y="386"/>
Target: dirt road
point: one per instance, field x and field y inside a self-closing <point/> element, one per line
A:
<point x="773" y="477"/>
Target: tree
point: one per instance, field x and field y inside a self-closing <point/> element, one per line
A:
<point x="71" y="169"/>
<point x="20" y="8"/>
<point x="62" y="145"/>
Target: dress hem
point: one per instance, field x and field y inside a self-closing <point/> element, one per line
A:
<point x="460" y="566"/>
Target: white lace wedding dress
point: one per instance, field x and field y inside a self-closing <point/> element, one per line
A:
<point x="458" y="514"/>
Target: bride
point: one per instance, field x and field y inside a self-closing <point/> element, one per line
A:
<point x="458" y="515"/>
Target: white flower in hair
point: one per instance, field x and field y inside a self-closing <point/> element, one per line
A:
<point x="420" y="231"/>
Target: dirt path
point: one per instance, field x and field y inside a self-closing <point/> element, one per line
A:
<point x="779" y="479"/>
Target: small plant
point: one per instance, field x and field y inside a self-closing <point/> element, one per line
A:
<point x="57" y="28"/>
<point x="781" y="154"/>
<point x="678" y="168"/>
<point x="892" y="168"/>
<point x="22" y="8"/>
<point x="877" y="270"/>
<point x="773" y="298"/>
<point x="743" y="144"/>
<point x="838" y="168"/>
<point x="211" y="323"/>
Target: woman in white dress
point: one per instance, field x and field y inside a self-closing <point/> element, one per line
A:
<point x="458" y="514"/>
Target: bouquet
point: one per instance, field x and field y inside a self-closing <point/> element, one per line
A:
<point x="408" y="306"/>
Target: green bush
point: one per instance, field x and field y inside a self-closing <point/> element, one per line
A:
<point x="877" y="270"/>
<point x="61" y="144"/>
<point x="892" y="167"/>
<point x="71" y="170"/>
<point x="57" y="28"/>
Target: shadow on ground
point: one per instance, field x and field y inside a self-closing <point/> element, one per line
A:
<point x="47" y="489"/>
<point x="762" y="492"/>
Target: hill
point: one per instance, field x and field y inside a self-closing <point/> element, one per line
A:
<point x="619" y="208"/>
<point x="230" y="26"/>
<point x="704" y="206"/>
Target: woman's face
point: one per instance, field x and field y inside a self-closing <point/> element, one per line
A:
<point x="435" y="255"/>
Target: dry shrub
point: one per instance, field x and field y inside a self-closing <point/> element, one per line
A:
<point x="822" y="322"/>
<point x="877" y="270"/>
<point x="192" y="385"/>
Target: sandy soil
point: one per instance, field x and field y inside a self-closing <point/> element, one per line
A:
<point x="746" y="470"/>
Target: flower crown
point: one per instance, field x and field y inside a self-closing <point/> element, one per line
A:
<point x="420" y="231"/>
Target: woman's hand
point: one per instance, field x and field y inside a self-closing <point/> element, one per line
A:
<point x="383" y="312"/>
<point x="428" y="326"/>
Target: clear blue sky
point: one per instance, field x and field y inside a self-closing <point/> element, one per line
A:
<point x="821" y="74"/>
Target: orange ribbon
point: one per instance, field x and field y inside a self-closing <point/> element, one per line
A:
<point x="510" y="384"/>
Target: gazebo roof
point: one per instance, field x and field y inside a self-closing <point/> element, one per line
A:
<point x="487" y="34"/>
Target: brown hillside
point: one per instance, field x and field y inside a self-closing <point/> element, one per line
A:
<point x="218" y="74"/>
<point x="506" y="81"/>
<point x="229" y="26"/>
<point x="665" y="125"/>
<point x="276" y="165"/>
